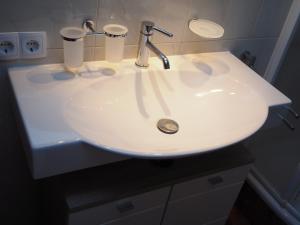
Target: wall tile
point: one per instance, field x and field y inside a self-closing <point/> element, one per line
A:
<point x="130" y="51"/>
<point x="169" y="14"/>
<point x="49" y="16"/>
<point x="204" y="46"/>
<point x="271" y="18"/>
<point x="167" y="48"/>
<point x="99" y="53"/>
<point x="89" y="54"/>
<point x="241" y="17"/>
<point x="89" y="41"/>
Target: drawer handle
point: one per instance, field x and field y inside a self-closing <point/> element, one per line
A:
<point x="125" y="207"/>
<point x="215" y="180"/>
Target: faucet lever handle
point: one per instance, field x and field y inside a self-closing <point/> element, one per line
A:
<point x="163" y="31"/>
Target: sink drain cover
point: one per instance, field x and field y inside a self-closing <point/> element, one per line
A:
<point x="168" y="126"/>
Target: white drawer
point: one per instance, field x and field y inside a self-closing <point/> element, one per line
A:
<point x="209" y="183"/>
<point x="119" y="209"/>
<point x="202" y="208"/>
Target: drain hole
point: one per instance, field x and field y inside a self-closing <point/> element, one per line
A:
<point x="168" y="126"/>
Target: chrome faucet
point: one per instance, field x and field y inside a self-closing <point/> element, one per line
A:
<point x="145" y="44"/>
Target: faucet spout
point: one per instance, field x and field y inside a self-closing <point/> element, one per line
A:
<point x="145" y="45"/>
<point x="161" y="55"/>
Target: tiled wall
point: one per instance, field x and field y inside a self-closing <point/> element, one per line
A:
<point x="249" y="24"/>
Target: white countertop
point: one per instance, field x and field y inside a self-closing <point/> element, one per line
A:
<point x="54" y="147"/>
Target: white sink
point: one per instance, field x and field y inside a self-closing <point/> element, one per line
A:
<point x="214" y="98"/>
<point x="120" y="113"/>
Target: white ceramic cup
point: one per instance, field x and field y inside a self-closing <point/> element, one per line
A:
<point x="73" y="46"/>
<point x="115" y="35"/>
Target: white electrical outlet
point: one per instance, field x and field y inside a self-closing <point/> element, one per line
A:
<point x="9" y="46"/>
<point x="33" y="45"/>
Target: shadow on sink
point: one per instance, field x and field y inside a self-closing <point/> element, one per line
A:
<point x="40" y="77"/>
<point x="90" y="73"/>
<point x="211" y="66"/>
<point x="66" y="75"/>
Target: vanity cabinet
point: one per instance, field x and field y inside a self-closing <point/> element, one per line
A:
<point x="199" y="190"/>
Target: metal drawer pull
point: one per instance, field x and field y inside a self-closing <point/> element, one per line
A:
<point x="286" y="121"/>
<point x="292" y="111"/>
<point x="125" y="206"/>
<point x="215" y="180"/>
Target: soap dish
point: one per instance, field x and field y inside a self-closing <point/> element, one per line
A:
<point x="206" y="28"/>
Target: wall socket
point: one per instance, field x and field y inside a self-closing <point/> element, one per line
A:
<point x="9" y="46"/>
<point x="25" y="45"/>
<point x="33" y="45"/>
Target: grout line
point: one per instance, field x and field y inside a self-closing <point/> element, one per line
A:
<point x="96" y="26"/>
<point x="231" y="39"/>
<point x="227" y="12"/>
<point x="97" y="13"/>
<point x="259" y="14"/>
<point x="184" y="30"/>
<point x="63" y="48"/>
<point x="200" y="41"/>
<point x="186" y="20"/>
<point x="98" y="7"/>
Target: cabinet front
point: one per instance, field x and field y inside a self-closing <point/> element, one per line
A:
<point x="203" y="208"/>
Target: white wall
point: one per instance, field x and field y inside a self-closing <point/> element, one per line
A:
<point x="283" y="42"/>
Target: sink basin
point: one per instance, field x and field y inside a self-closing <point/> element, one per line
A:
<point x="108" y="112"/>
<point x="120" y="113"/>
